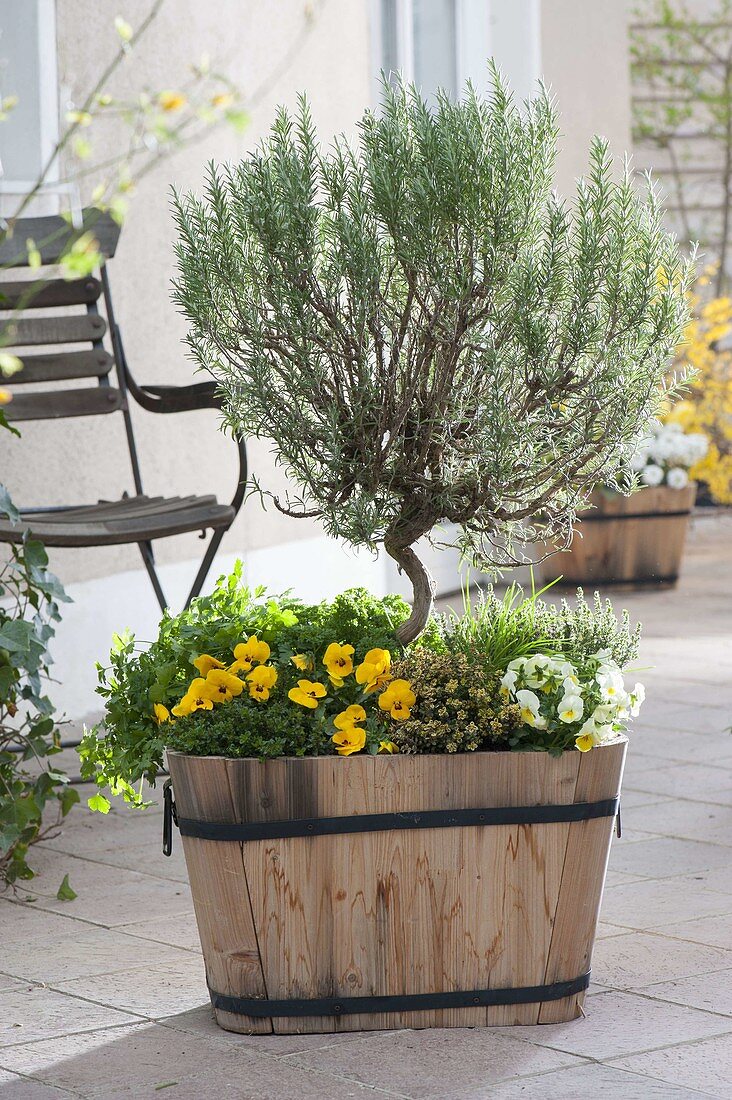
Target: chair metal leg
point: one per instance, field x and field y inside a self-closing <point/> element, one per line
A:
<point x="147" y="557"/>
<point x="208" y="558"/>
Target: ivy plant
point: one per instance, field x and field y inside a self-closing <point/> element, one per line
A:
<point x="34" y="795"/>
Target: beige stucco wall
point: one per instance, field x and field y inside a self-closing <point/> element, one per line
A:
<point x="584" y="51"/>
<point x="255" y="42"/>
<point x="80" y="462"/>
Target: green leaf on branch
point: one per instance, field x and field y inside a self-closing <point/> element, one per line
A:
<point x="99" y="803"/>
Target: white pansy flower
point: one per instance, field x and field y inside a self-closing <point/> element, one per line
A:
<point x="652" y="474"/>
<point x="508" y="682"/>
<point x="637" y="697"/>
<point x="677" y="478"/>
<point x="570" y="709"/>
<point x="529" y="703"/>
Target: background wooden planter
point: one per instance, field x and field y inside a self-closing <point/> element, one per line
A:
<point x="627" y="540"/>
<point x="400" y="911"/>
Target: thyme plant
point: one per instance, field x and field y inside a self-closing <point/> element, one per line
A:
<point x="424" y="329"/>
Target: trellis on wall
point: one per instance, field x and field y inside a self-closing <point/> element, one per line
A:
<point x="681" y="66"/>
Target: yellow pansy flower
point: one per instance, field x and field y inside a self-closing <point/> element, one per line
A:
<point x="349" y="717"/>
<point x="250" y="653"/>
<point x="387" y="747"/>
<point x="205" y="663"/>
<point x="172" y="101"/>
<point x="222" y="685"/>
<point x="260" y="681"/>
<point x="338" y="659"/>
<point x="161" y="713"/>
<point x="307" y="693"/>
<point x="349" y="740"/>
<point x="198" y="697"/>
<point x="398" y="699"/>
<point x="374" y="671"/>
<point x="585" y="742"/>
<point x="303" y="662"/>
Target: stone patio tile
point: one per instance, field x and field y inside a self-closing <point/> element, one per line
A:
<point x="434" y="1064"/>
<point x="709" y="822"/>
<point x="200" y="1021"/>
<point x="639" y="958"/>
<point x="139" y="1059"/>
<point x="624" y="1023"/>
<point x="85" y="954"/>
<point x="716" y="878"/>
<point x="633" y="799"/>
<point x="154" y="990"/>
<point x="713" y="931"/>
<point x="595" y="1081"/>
<point x="664" y="856"/>
<point x="681" y="746"/>
<point x="620" y="878"/>
<point x="676" y="716"/>
<point x="147" y="858"/>
<point x="85" y="833"/>
<point x="20" y="922"/>
<point x="686" y="781"/>
<point x="106" y="895"/>
<point x="276" y="1081"/>
<point x="9" y="981"/>
<point x="706" y="1065"/>
<point x="180" y="931"/>
<point x="711" y="992"/>
<point x="604" y="930"/>
<point x="654" y="903"/>
<point x="37" y="1013"/>
<point x="14" y="1087"/>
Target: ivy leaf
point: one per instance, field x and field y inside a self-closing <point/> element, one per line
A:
<point x="7" y="508"/>
<point x="98" y="803"/>
<point x="69" y="798"/>
<point x="65" y="891"/>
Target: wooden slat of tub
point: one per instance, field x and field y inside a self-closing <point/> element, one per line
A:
<point x="334" y="913"/>
<point x="588" y="848"/>
<point x="219" y="887"/>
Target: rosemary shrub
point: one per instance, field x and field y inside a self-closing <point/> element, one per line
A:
<point x="424" y="330"/>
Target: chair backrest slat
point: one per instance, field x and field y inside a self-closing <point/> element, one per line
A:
<point x="52" y="236"/>
<point x="54" y="325"/>
<point x="58" y="404"/>
<point x="36" y="294"/>
<point x="62" y="365"/>
<point x="28" y="331"/>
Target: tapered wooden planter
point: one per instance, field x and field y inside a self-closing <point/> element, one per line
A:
<point x="627" y="540"/>
<point x="471" y="899"/>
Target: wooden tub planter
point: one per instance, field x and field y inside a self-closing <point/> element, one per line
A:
<point x="376" y="892"/>
<point x="627" y="540"/>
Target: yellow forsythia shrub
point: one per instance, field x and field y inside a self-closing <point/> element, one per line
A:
<point x="708" y="404"/>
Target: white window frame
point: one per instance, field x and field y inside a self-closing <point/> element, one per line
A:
<point x="467" y="65"/>
<point x="48" y="120"/>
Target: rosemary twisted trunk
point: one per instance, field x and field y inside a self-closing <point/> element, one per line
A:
<point x="423" y="587"/>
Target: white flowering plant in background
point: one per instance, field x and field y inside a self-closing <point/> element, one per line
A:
<point x="664" y="455"/>
<point x="570" y="703"/>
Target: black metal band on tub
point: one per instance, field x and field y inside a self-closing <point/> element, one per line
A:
<point x="371" y="823"/>
<point x="410" y="1002"/>
<point x="607" y="517"/>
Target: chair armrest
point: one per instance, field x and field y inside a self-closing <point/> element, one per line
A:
<point x="174" y="399"/>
